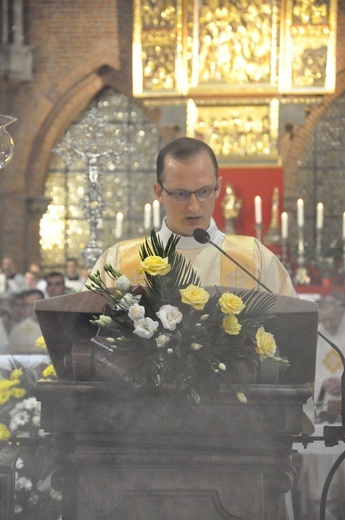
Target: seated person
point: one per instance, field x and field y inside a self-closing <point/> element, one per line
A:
<point x="23" y="336"/>
<point x="56" y="284"/>
<point x="73" y="279"/>
<point x="329" y="367"/>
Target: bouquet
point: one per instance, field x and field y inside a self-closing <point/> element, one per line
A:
<point x="173" y="337"/>
<point x="20" y="420"/>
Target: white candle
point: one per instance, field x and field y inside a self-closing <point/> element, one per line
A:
<point x="284" y="224"/>
<point x="147" y="216"/>
<point x="258" y="212"/>
<point x="118" y="227"/>
<point x="300" y="213"/>
<point x="156" y="214"/>
<point x="344" y="225"/>
<point x="319" y="216"/>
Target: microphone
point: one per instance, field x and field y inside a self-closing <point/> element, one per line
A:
<point x="202" y="236"/>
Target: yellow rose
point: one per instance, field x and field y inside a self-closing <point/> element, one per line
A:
<point x="195" y="296"/>
<point x="230" y="303"/>
<point x="4" y="432"/>
<point x="265" y="344"/>
<point x="4" y="397"/>
<point x="40" y="343"/>
<point x="231" y="325"/>
<point x="18" y="392"/>
<point x="5" y="384"/>
<point x="49" y="371"/>
<point x="16" y="373"/>
<point x="155" y="265"/>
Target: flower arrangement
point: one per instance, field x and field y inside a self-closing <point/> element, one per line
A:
<point x="173" y="336"/>
<point x="20" y="419"/>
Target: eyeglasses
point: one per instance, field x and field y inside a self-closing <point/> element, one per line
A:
<point x="202" y="195"/>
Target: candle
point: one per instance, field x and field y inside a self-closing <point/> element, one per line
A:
<point x="156" y="214"/>
<point x="344" y="225"/>
<point x="319" y="216"/>
<point x="258" y="213"/>
<point x="284" y="224"/>
<point x="118" y="227"/>
<point x="147" y="216"/>
<point x="300" y="213"/>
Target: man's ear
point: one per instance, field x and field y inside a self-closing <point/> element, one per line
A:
<point x="219" y="183"/>
<point x="158" y="191"/>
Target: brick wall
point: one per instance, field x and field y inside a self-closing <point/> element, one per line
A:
<point x="78" y="47"/>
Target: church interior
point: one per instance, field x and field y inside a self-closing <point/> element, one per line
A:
<point x="90" y="91"/>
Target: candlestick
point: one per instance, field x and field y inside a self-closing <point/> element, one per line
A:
<point x="147" y="216"/>
<point x="258" y="210"/>
<point x="156" y="214"/>
<point x="344" y="225"/>
<point x="118" y="226"/>
<point x="300" y="213"/>
<point x="319" y="216"/>
<point x="284" y="224"/>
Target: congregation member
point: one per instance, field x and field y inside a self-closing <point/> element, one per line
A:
<point x="23" y="336"/>
<point x="188" y="185"/>
<point x="56" y="284"/>
<point x="37" y="269"/>
<point x="329" y="367"/>
<point x="16" y="307"/>
<point x="73" y="279"/>
<point x="31" y="280"/>
<point x="15" y="280"/>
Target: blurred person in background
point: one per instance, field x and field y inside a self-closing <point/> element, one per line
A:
<point x="73" y="279"/>
<point x="23" y="336"/>
<point x="37" y="269"/>
<point x="56" y="284"/>
<point x="16" y="307"/>
<point x="15" y="280"/>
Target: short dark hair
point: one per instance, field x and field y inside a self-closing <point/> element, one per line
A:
<point x="181" y="149"/>
<point x="30" y="292"/>
<point x="54" y="274"/>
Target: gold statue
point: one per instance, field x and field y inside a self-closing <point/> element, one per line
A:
<point x="231" y="206"/>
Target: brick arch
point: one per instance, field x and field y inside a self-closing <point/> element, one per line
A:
<point x="300" y="140"/>
<point x="55" y="120"/>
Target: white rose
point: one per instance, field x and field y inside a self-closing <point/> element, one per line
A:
<point x="162" y="340"/>
<point x="123" y="283"/>
<point x="145" y="328"/>
<point x="136" y="312"/>
<point x="170" y="316"/>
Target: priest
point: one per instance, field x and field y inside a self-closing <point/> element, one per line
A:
<point x="187" y="186"/>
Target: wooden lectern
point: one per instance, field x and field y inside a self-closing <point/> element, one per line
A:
<point x="130" y="457"/>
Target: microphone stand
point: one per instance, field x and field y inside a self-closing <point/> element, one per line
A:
<point x="331" y="434"/>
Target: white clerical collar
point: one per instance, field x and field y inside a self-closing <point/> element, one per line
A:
<point x="189" y="242"/>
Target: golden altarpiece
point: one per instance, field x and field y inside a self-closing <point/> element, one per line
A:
<point x="231" y="65"/>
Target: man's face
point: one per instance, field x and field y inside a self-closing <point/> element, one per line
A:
<point x="55" y="286"/>
<point x="331" y="318"/>
<point x="29" y="302"/>
<point x="71" y="269"/>
<point x="190" y="175"/>
<point x="8" y="266"/>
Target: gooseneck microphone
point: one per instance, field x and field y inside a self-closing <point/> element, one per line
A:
<point x="202" y="236"/>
